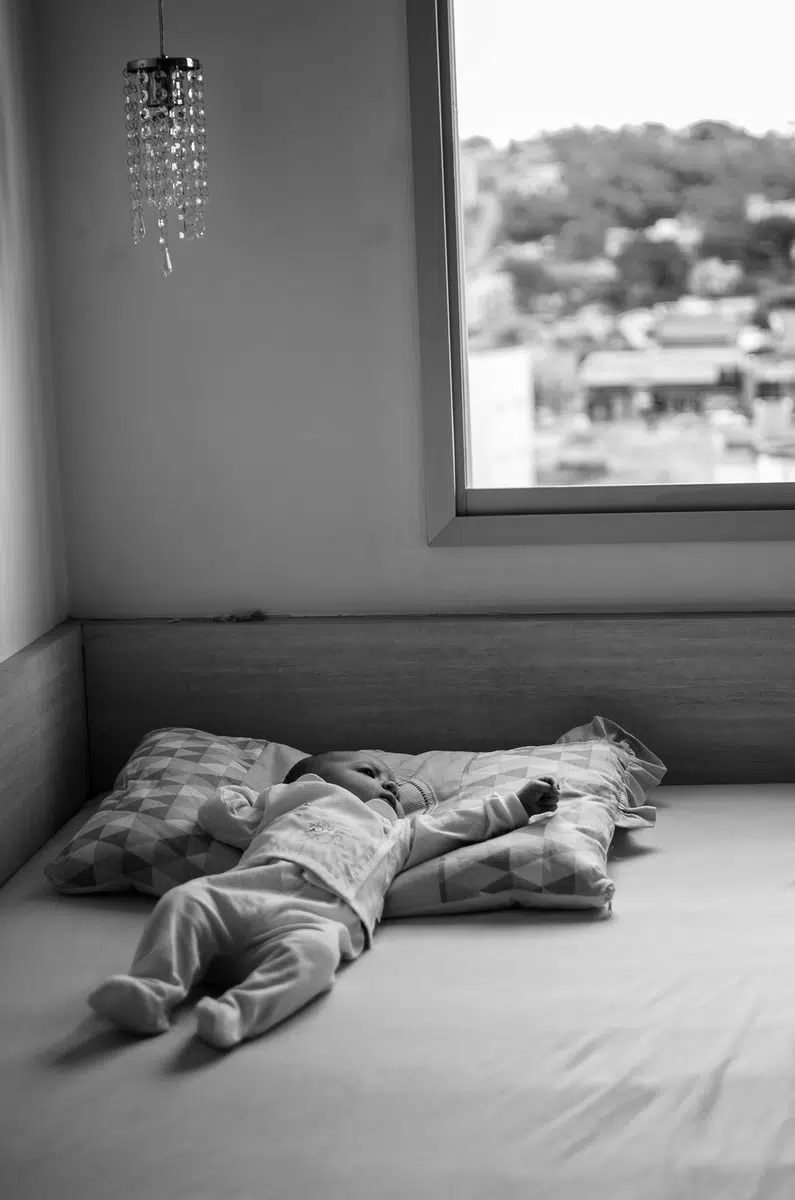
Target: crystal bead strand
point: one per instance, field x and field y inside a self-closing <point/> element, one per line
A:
<point x="187" y="198"/>
<point x="177" y="131"/>
<point x="161" y="143"/>
<point x="132" y="106"/>
<point x="194" y="162"/>
<point x="147" y="150"/>
<point x="200" y="161"/>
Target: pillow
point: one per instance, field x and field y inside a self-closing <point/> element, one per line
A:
<point x="603" y="774"/>
<point x="145" y="835"/>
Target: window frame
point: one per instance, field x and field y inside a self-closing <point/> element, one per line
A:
<point x="457" y="515"/>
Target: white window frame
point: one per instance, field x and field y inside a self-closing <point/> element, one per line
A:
<point x="457" y="515"/>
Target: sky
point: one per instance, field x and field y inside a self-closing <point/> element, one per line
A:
<point x="524" y="66"/>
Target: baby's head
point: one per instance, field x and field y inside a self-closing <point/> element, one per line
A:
<point x="365" y="776"/>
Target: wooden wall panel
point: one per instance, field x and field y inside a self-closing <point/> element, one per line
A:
<point x="712" y="695"/>
<point x="43" y="748"/>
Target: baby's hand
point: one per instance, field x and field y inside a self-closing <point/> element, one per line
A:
<point x="539" y="796"/>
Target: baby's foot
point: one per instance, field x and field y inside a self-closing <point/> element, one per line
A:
<point x="218" y="1024"/>
<point x="539" y="796"/>
<point x="129" y="1003"/>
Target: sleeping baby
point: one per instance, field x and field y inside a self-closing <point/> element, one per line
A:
<point x="320" y="851"/>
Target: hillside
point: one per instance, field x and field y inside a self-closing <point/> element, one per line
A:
<point x="581" y="195"/>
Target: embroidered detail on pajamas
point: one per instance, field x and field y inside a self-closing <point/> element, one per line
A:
<point x="331" y="835"/>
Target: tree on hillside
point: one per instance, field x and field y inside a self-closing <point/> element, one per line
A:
<point x="715" y="131"/>
<point x="633" y="176"/>
<point x="768" y="248"/>
<point x="583" y="238"/>
<point x="530" y="280"/>
<point x="531" y="217"/>
<point x="648" y="273"/>
<point x="725" y="240"/>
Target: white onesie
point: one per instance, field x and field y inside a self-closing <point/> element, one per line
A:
<point x="307" y="893"/>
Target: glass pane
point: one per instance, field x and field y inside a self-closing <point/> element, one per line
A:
<point x="627" y="214"/>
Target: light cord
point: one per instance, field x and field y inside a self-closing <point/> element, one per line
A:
<point x="162" y="35"/>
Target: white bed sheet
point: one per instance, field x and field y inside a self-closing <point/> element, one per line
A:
<point x="648" y="1056"/>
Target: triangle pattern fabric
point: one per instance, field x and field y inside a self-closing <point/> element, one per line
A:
<point x="602" y="773"/>
<point x="145" y="834"/>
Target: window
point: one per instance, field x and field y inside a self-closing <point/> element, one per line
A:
<point x="607" y="294"/>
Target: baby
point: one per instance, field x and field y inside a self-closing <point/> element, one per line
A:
<point x="320" y="851"/>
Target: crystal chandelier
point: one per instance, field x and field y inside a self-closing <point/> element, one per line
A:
<point x="166" y="144"/>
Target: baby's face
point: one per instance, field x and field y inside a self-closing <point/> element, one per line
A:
<point x="367" y="778"/>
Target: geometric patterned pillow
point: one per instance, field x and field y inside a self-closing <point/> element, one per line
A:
<point x="145" y="836"/>
<point x="604" y="775"/>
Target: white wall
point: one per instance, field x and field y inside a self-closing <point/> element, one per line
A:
<point x="32" y="565"/>
<point x="247" y="433"/>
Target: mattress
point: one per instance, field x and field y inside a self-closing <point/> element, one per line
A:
<point x="645" y="1056"/>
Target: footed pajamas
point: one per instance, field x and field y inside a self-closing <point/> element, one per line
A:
<point x="286" y="934"/>
<point x="307" y="893"/>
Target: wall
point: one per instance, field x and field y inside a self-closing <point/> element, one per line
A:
<point x="32" y="563"/>
<point x="247" y="433"/>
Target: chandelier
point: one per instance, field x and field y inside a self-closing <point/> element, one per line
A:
<point x="166" y="144"/>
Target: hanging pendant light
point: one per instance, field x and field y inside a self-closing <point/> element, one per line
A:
<point x="166" y="144"/>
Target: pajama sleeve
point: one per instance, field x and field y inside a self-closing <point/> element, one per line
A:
<point x="234" y="815"/>
<point x="237" y="813"/>
<point x="476" y="820"/>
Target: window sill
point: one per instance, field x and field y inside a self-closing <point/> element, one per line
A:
<point x="525" y="529"/>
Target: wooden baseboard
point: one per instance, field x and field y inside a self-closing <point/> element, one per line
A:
<point x="711" y="694"/>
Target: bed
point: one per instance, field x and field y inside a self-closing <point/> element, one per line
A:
<point x="646" y="1055"/>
